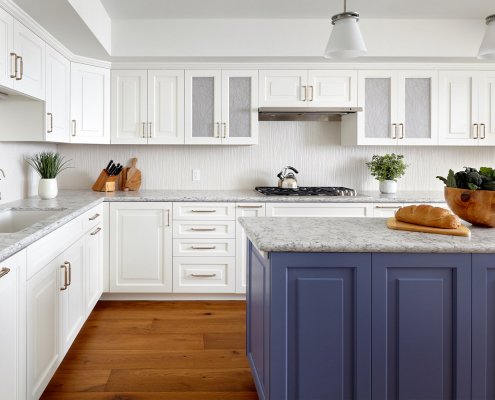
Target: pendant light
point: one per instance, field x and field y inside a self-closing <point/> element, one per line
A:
<point x="487" y="48"/>
<point x="345" y="40"/>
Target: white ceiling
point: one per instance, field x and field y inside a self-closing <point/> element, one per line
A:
<point x="169" y="9"/>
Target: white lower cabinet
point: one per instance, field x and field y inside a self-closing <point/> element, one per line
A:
<point x="141" y="247"/>
<point x="12" y="328"/>
<point x="244" y="210"/>
<point x="93" y="268"/>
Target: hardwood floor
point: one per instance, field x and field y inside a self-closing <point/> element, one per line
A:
<point x="142" y="350"/>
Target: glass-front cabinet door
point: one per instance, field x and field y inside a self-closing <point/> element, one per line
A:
<point x="239" y="107"/>
<point x="203" y="106"/>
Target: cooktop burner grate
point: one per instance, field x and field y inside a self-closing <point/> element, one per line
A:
<point x="306" y="191"/>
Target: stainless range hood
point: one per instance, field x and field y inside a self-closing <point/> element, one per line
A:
<point x="305" y="113"/>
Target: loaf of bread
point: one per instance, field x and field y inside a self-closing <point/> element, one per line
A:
<point x="428" y="216"/>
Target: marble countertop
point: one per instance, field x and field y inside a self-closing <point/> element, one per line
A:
<point x="360" y="235"/>
<point x="71" y="203"/>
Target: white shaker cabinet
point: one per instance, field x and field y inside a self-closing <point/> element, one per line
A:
<point x="57" y="97"/>
<point x="7" y="58"/>
<point x="286" y="88"/>
<point x="93" y="268"/>
<point x="90" y="104"/>
<point x="244" y="210"/>
<point x="13" y="330"/>
<point x="141" y="247"/>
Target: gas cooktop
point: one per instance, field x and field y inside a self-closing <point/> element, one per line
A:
<point x="306" y="191"/>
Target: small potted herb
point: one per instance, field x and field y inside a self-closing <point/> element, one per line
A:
<point x="48" y="165"/>
<point x="387" y="169"/>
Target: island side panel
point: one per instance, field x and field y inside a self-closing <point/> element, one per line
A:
<point x="421" y="326"/>
<point x="320" y="326"/>
<point x="483" y="328"/>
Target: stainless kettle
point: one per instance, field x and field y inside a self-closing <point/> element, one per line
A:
<point x="287" y="178"/>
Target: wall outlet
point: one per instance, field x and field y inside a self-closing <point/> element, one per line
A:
<point x="196" y="175"/>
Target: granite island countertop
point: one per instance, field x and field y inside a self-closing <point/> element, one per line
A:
<point x="356" y="235"/>
<point x="71" y="203"/>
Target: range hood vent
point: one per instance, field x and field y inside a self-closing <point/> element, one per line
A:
<point x="323" y="114"/>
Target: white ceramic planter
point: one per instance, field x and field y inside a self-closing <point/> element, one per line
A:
<point x="48" y="188"/>
<point x="388" y="187"/>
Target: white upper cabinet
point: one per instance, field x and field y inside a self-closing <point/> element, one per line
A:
<point x="57" y="97"/>
<point x="90" y="104"/>
<point x="313" y="88"/>
<point x="7" y="59"/>
<point x="221" y="107"/>
<point x="399" y="107"/>
<point x="148" y="107"/>
<point x="467" y="108"/>
<point x="29" y="68"/>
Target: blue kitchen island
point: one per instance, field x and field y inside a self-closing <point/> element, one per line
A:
<point x="344" y="308"/>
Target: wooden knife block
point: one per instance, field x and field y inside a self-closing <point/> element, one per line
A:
<point x="105" y="182"/>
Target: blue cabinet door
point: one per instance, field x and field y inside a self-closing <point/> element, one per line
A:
<point x="320" y="316"/>
<point x="483" y="330"/>
<point x="421" y="326"/>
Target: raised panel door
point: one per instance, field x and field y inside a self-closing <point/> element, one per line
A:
<point x="7" y="69"/>
<point x="93" y="268"/>
<point x="129" y="120"/>
<point x="332" y="88"/>
<point x="57" y="97"/>
<point x="140" y="247"/>
<point x="239" y="107"/>
<point x="286" y="88"/>
<point x="486" y="117"/>
<point x="166" y="107"/>
<point x="244" y="210"/>
<point x="31" y="64"/>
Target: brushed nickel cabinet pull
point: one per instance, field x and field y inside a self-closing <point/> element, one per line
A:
<point x="305" y="92"/>
<point x="311" y="93"/>
<point x="95" y="232"/>
<point x="401" y="131"/>
<point x="149" y="130"/>
<point x="483" y="131"/>
<point x="74" y="127"/>
<point x="4" y="271"/>
<point x="203" y="211"/>
<point x="203" y="275"/>
<point x="94" y="217"/>
<point x="64" y="267"/>
<point x="394" y="131"/>
<point x="13" y="65"/>
<point x="143" y="134"/>
<point x="216" y="132"/>
<point x="203" y="247"/>
<point x="50" y="125"/>
<point x="475" y="131"/>
<point x="388" y="207"/>
<point x="203" y="229"/>
<point x="19" y="70"/>
<point x="224" y="132"/>
<point x="70" y="272"/>
<point x="248" y="206"/>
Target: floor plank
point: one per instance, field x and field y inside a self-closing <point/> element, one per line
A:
<point x="148" y="350"/>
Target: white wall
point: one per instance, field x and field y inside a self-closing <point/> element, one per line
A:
<point x="21" y="181"/>
<point x="312" y="147"/>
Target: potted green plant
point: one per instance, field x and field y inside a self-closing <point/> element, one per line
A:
<point x="387" y="169"/>
<point x="48" y="165"/>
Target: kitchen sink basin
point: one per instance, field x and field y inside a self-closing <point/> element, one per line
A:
<point x="12" y="221"/>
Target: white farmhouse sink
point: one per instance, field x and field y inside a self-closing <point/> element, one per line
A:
<point x="12" y="221"/>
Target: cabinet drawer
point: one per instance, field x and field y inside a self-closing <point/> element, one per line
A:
<point x="204" y="275"/>
<point x="204" y="247"/>
<point x="318" y="210"/>
<point x="204" y="229"/>
<point x="386" y="210"/>
<point x="92" y="217"/>
<point x="204" y="211"/>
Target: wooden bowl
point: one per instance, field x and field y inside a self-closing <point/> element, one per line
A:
<point x="475" y="206"/>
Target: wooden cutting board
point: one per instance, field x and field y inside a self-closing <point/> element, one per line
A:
<point x="392" y="223"/>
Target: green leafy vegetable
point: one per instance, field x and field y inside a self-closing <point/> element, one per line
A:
<point x="471" y="179"/>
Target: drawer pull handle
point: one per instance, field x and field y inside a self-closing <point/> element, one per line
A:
<point x="248" y="206"/>
<point x="95" y="232"/>
<point x="204" y="211"/>
<point x="203" y="229"/>
<point x="70" y="272"/>
<point x="203" y="275"/>
<point x="94" y="217"/>
<point x="4" y="271"/>
<point x="388" y="207"/>
<point x="203" y="247"/>
<point x="64" y="267"/>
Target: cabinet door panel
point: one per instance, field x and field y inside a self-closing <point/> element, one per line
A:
<point x="166" y="107"/>
<point x="283" y="88"/>
<point x="129" y="107"/>
<point x="421" y="326"/>
<point x="6" y="47"/>
<point x="332" y="88"/>
<point x="487" y="108"/>
<point x="93" y="268"/>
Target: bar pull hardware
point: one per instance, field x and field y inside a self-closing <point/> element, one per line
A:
<point x="70" y="272"/>
<point x="224" y="133"/>
<point x="13" y="65"/>
<point x="168" y="218"/>
<point x="305" y="92"/>
<point x="203" y="247"/>
<point x="216" y="133"/>
<point x="94" y="217"/>
<point x="312" y="92"/>
<point x="388" y="207"/>
<point x="203" y="211"/>
<point x="203" y="229"/>
<point x="74" y="127"/>
<point x="394" y="131"/>
<point x="4" y="271"/>
<point x="18" y="77"/>
<point x="143" y="134"/>
<point x="475" y="131"/>
<point x="149" y="130"/>
<point x="95" y="232"/>
<point x="248" y="206"/>
<point x="483" y="131"/>
<point x="203" y="275"/>
<point x="64" y="267"/>
<point x="401" y="125"/>
<point x="50" y="125"/>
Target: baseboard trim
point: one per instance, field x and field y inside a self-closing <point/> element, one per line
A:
<point x="171" y="296"/>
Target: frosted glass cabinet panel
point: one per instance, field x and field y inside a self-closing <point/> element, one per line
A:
<point x="378" y="106"/>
